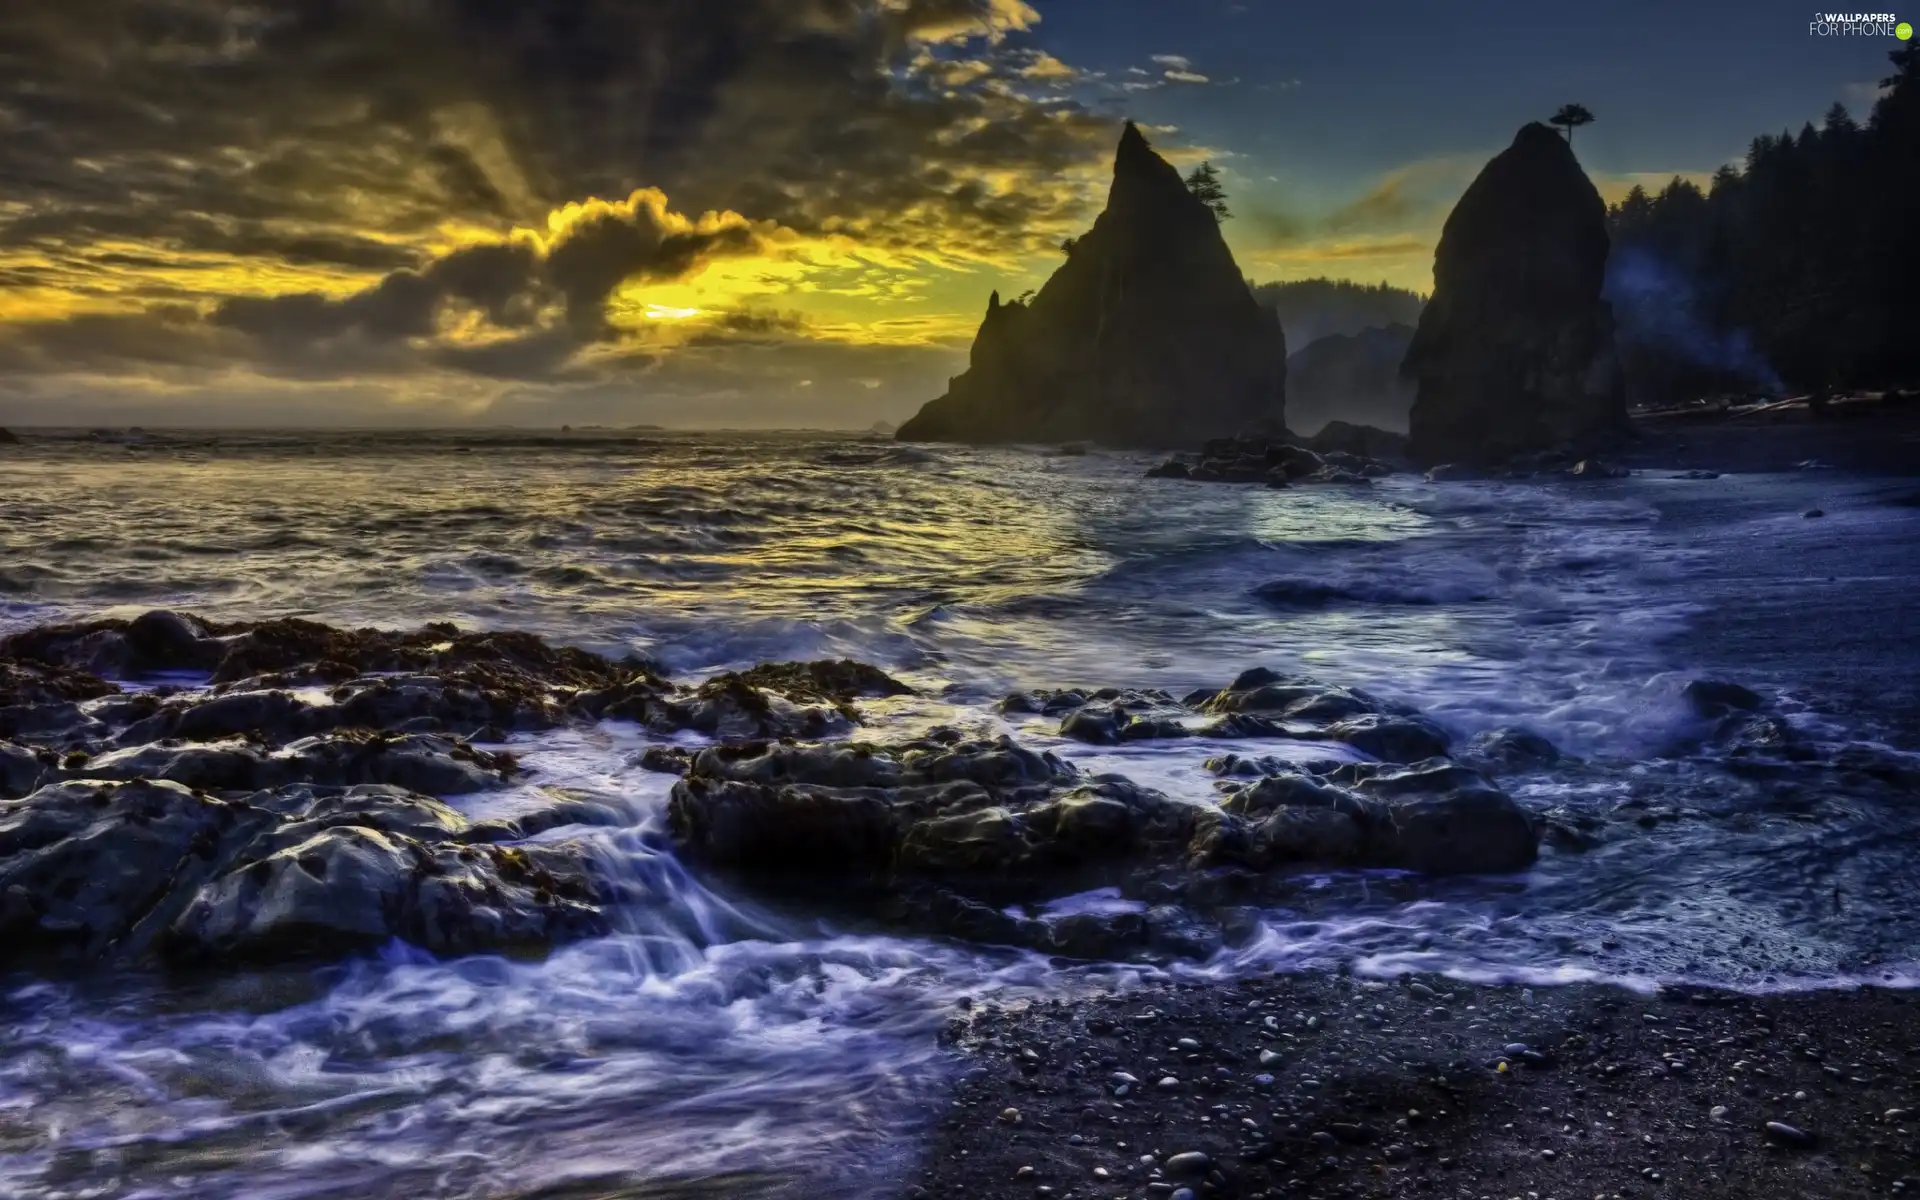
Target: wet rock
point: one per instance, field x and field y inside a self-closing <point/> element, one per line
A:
<point x="728" y="707"/>
<point x="1590" y="469"/>
<point x="1267" y="692"/>
<point x="59" y="722"/>
<point x="155" y="869"/>
<point x="667" y="760"/>
<point x="1146" y="336"/>
<point x="352" y="887"/>
<point x="1272" y="463"/>
<point x="1454" y="473"/>
<point x="20" y="770"/>
<point x="1448" y="820"/>
<point x="1715" y="698"/>
<point x="26" y="683"/>
<point x="428" y="763"/>
<point x="9" y="438"/>
<point x="1392" y="738"/>
<point x="837" y="682"/>
<point x="1761" y="735"/>
<point x="1188" y="1163"/>
<point x="1434" y="817"/>
<point x="1511" y="749"/>
<point x="1334" y="474"/>
<point x="1515" y="351"/>
<point x="1127" y="717"/>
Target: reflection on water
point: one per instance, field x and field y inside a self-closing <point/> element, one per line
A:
<point x="714" y="1047"/>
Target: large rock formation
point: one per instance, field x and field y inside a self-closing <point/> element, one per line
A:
<point x="1515" y="351"/>
<point x="1351" y="377"/>
<point x="1146" y="336"/>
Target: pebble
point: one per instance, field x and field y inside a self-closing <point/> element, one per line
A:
<point x="1782" y="1132"/>
<point x="1189" y="1162"/>
<point x="1025" y="1173"/>
<point x="1182" y="1194"/>
<point x="1813" y="512"/>
<point x="1010" y="1115"/>
<point x="1263" y="1081"/>
<point x="1718" y="1112"/>
<point x="1268" y="1058"/>
<point x="1187" y="1044"/>
<point x="1517" y="1050"/>
<point x="1168" y="1084"/>
<point x="1422" y="990"/>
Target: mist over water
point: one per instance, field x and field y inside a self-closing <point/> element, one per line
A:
<point x="714" y="1045"/>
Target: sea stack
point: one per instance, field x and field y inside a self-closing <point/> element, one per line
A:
<point x="1146" y="336"/>
<point x="1515" y="352"/>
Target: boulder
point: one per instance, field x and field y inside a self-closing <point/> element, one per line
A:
<point x="1434" y="817"/>
<point x="1272" y="463"/>
<point x="419" y="762"/>
<point x="1146" y="336"/>
<point x="156" y="871"/>
<point x="1511" y="749"/>
<point x="1515" y="351"/>
<point x="352" y="887"/>
<point x="436" y="679"/>
<point x="941" y="836"/>
<point x="1392" y="738"/>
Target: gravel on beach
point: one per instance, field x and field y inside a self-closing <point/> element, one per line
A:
<point x="1330" y="1085"/>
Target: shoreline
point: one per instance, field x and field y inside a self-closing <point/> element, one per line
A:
<point x="1328" y="1085"/>
<point x="1862" y="438"/>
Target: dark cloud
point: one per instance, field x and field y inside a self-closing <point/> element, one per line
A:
<point x="392" y="116"/>
<point x="557" y="288"/>
<point x="196" y="156"/>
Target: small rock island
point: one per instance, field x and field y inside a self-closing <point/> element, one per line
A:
<point x="1146" y="336"/>
<point x="1515" y="352"/>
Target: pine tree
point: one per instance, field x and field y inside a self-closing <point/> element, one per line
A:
<point x="1204" y="183"/>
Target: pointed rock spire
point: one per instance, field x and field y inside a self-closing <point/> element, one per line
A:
<point x="1146" y="336"/>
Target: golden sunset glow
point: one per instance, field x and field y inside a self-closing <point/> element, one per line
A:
<point x="432" y="232"/>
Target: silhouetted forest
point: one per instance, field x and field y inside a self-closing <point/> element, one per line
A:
<point x="1310" y="309"/>
<point x="1799" y="270"/>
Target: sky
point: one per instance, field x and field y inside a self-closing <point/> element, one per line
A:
<point x="746" y="213"/>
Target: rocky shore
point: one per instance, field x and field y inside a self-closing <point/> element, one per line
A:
<point x="175" y="790"/>
<point x="182" y="793"/>
<point x="1328" y="1085"/>
<point x="179" y="791"/>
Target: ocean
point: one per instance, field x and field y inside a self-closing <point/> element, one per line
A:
<point x="721" y="1045"/>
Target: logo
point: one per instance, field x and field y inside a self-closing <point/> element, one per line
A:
<point x="1858" y="25"/>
